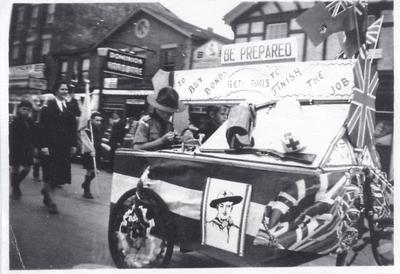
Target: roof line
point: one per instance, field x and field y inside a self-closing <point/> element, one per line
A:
<point x="129" y="17"/>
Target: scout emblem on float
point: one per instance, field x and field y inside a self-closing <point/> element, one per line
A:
<point x="124" y="64"/>
<point x="274" y="50"/>
<point x="224" y="214"/>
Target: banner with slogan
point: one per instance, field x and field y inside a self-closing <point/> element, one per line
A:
<point x="259" y="83"/>
<point x="284" y="49"/>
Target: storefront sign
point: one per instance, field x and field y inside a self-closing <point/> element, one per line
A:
<point x="260" y="83"/>
<point x="24" y="71"/>
<point x="284" y="49"/>
<point x="135" y="102"/>
<point x="38" y="83"/>
<point x="32" y="83"/>
<point x="124" y="64"/>
<point x="110" y="82"/>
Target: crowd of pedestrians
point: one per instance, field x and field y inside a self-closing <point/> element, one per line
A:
<point x="43" y="135"/>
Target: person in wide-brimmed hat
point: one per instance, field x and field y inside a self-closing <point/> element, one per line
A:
<point x="222" y="225"/>
<point x="155" y="131"/>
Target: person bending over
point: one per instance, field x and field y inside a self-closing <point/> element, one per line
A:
<point x="155" y="131"/>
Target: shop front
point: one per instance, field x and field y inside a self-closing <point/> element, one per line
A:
<point x="129" y="103"/>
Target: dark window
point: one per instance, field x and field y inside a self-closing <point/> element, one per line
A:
<point x="168" y="59"/>
<point x="50" y="13"/>
<point x="199" y="54"/>
<point x="20" y="17"/>
<point x="34" y="16"/>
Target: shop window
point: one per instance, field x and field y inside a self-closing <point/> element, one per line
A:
<point x="275" y="31"/>
<point x="200" y="54"/>
<point x="257" y="27"/>
<point x="64" y="69"/>
<point x="34" y="16"/>
<point x="85" y="68"/>
<point x="50" y="13"/>
<point x="168" y="59"/>
<point x="46" y="41"/>
<point x="242" y="28"/>
<point x="15" y="49"/>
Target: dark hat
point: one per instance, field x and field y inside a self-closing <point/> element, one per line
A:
<point x="167" y="100"/>
<point x="225" y="196"/>
<point x="96" y="114"/>
<point x="25" y="103"/>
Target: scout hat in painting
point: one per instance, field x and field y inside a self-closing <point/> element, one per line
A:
<point x="225" y="196"/>
<point x="291" y="117"/>
<point x="167" y="100"/>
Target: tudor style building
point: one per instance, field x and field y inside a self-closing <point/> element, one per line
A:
<point x="252" y="21"/>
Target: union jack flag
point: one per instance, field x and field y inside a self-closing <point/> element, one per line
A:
<point x="338" y="6"/>
<point x="361" y="117"/>
<point x="304" y="210"/>
<point x="373" y="32"/>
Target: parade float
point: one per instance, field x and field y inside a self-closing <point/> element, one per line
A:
<point x="293" y="169"/>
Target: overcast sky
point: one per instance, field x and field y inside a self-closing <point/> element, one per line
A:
<point x="204" y="13"/>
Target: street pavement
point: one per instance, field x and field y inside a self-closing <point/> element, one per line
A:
<point x="76" y="238"/>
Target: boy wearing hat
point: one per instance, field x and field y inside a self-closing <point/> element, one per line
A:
<point x="88" y="157"/>
<point x="155" y="131"/>
<point x="21" y="147"/>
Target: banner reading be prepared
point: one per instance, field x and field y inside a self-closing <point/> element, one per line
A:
<point x="260" y="51"/>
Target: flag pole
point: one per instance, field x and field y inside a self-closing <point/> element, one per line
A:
<point x="94" y="161"/>
<point x="355" y="17"/>
<point x="91" y="139"/>
<point x="376" y="43"/>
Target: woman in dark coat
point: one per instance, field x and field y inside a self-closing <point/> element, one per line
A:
<point x="59" y="141"/>
<point x="21" y="147"/>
